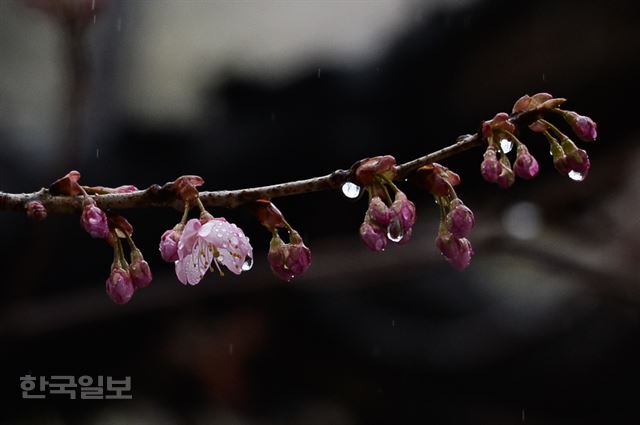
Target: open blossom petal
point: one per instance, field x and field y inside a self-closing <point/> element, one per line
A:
<point x="188" y="237"/>
<point x="202" y="244"/>
<point x="229" y="241"/>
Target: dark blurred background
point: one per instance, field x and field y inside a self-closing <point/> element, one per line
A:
<point x="542" y="328"/>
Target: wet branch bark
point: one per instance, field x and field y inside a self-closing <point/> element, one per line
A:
<point x="157" y="196"/>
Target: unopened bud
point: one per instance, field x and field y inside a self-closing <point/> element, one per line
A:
<point x="35" y="210"/>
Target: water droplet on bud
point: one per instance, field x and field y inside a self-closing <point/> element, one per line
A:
<point x="576" y="176"/>
<point x="395" y="233"/>
<point x="248" y="263"/>
<point x="506" y="145"/>
<point x="351" y="190"/>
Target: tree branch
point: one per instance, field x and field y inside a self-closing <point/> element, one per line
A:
<point x="157" y="196"/>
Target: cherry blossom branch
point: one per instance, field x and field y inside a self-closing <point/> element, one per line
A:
<point x="207" y="243"/>
<point x="157" y="196"/>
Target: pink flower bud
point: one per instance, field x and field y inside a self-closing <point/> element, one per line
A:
<point x="406" y="236"/>
<point x="169" y="245"/>
<point x="378" y="165"/>
<point x="373" y="236"/>
<point x="490" y="167"/>
<point x="561" y="165"/>
<point x="288" y="260"/>
<point x="268" y="214"/>
<point x="378" y="212"/>
<point x="526" y="102"/>
<point x="537" y="101"/>
<point x="128" y="188"/>
<point x="460" y="219"/>
<point x="456" y="251"/>
<point x="35" y="210"/>
<point x="405" y="210"/>
<point x="277" y="258"/>
<point x="559" y="158"/>
<point x="299" y="258"/>
<point x="438" y="179"/>
<point x="499" y="122"/>
<point x="584" y="127"/>
<point x="506" y="177"/>
<point x="139" y="270"/>
<point x="119" y="285"/>
<point x="94" y="220"/>
<point x="526" y="167"/>
<point x="578" y="161"/>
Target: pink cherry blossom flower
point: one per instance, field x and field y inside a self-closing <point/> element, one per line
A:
<point x="139" y="270"/>
<point x="460" y="219"/>
<point x="490" y="167"/>
<point x="526" y="167"/>
<point x="376" y="166"/>
<point x="404" y="209"/>
<point x="506" y="177"/>
<point x="288" y="260"/>
<point x="94" y="220"/>
<point x="119" y="285"/>
<point x="36" y="210"/>
<point x="537" y="101"/>
<point x="299" y="258"/>
<point x="578" y="161"/>
<point x="215" y="242"/>
<point x="378" y="212"/>
<point x="575" y="159"/>
<point x="277" y="258"/>
<point x="457" y="251"/>
<point x="405" y="212"/>
<point x="584" y="127"/>
<point x="169" y="245"/>
<point x="439" y="179"/>
<point x="499" y="122"/>
<point x="374" y="236"/>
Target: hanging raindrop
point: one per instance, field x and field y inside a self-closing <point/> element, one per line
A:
<point x="395" y="233"/>
<point x="574" y="175"/>
<point x="248" y="263"/>
<point x="506" y="145"/>
<point x="351" y="190"/>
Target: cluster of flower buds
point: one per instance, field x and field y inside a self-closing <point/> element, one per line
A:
<point x="500" y="134"/>
<point x="456" y="219"/>
<point x="387" y="219"/>
<point x="125" y="277"/>
<point x="197" y="245"/>
<point x="287" y="260"/>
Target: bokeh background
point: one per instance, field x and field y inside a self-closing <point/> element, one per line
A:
<point x="543" y="328"/>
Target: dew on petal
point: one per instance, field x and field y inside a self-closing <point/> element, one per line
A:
<point x="351" y="190"/>
<point x="576" y="176"/>
<point x="506" y="145"/>
<point x="248" y="264"/>
<point x="395" y="233"/>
